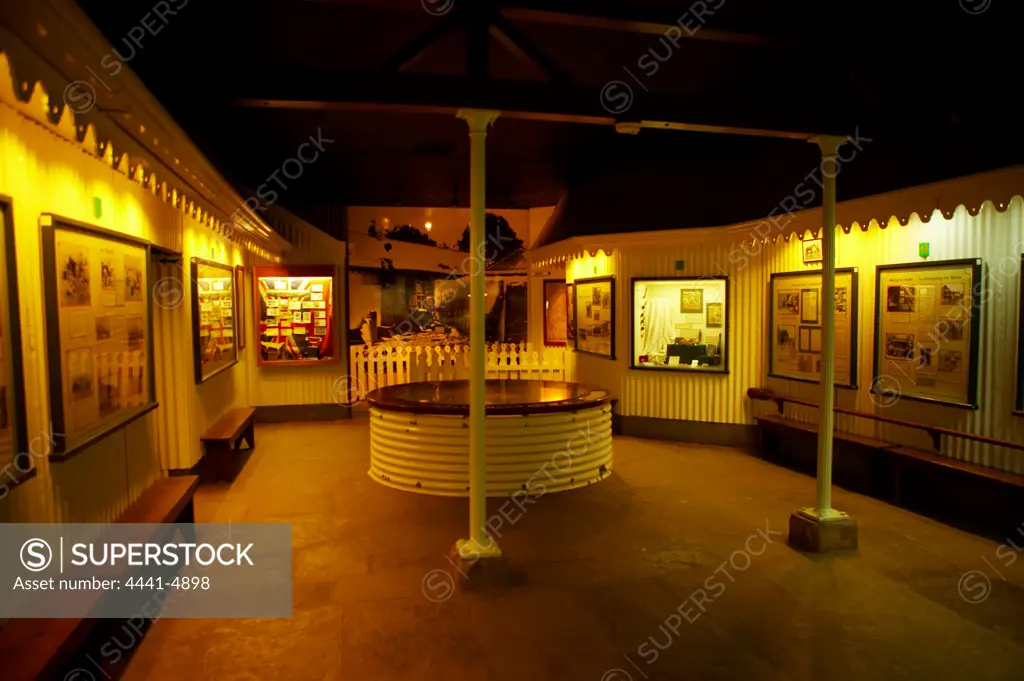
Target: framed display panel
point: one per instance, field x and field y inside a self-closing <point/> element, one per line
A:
<point x="555" y="312"/>
<point x="295" y="323"/>
<point x="214" y="347"/>
<point x="794" y="347"/>
<point x="570" y="316"/>
<point x="680" y="324"/>
<point x="1020" y="341"/>
<point x="99" y="331"/>
<point x="16" y="464"/>
<point x="927" y="327"/>
<point x="240" y="306"/>
<point x="594" y="316"/>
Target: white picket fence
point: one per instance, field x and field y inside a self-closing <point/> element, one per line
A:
<point x="383" y="364"/>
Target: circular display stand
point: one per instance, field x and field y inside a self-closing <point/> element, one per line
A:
<point x="542" y="436"/>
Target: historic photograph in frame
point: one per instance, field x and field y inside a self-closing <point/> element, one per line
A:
<point x="99" y="336"/>
<point x="293" y="312"/>
<point x="594" y="316"/>
<point x="240" y="319"/>
<point x="555" y="309"/>
<point x="15" y="459"/>
<point x="927" y="331"/>
<point x="794" y="348"/>
<point x="666" y="336"/>
<point x="214" y="328"/>
<point x="812" y="251"/>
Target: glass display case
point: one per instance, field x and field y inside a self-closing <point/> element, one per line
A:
<point x="213" y="318"/>
<point x="295" y="318"/>
<point x="680" y="324"/>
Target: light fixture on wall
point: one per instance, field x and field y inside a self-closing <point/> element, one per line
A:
<point x="429" y="225"/>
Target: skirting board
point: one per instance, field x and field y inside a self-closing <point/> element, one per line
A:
<point x="302" y="412"/>
<point x="700" y="432"/>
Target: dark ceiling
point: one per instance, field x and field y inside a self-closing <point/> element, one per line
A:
<point x="927" y="81"/>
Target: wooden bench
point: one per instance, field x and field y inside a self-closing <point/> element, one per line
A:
<point x="43" y="648"/>
<point x="224" y="438"/>
<point x="973" y="497"/>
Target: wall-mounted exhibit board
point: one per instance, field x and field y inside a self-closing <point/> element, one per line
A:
<point x="555" y="311"/>
<point x="594" y="310"/>
<point x="795" y="312"/>
<point x="570" y="315"/>
<point x="1020" y="340"/>
<point x="213" y="318"/>
<point x="296" y="314"/>
<point x="680" y="323"/>
<point x="240" y="307"/>
<point x="927" y="324"/>
<point x="98" y="331"/>
<point x="15" y="460"/>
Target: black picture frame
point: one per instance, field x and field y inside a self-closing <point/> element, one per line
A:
<point x="554" y="282"/>
<point x="1020" y="342"/>
<point x="63" y="447"/>
<point x="239" y="300"/>
<point x="774" y="286"/>
<point x="197" y="353"/>
<point x="726" y="328"/>
<point x="576" y="313"/>
<point x="878" y="386"/>
<point x="21" y="466"/>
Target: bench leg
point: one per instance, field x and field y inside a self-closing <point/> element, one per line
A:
<point x="188" y="514"/>
<point x="249" y="435"/>
<point x="220" y="459"/>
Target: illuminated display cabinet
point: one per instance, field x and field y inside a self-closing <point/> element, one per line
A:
<point x="213" y="318"/>
<point x="295" y="319"/>
<point x="680" y="324"/>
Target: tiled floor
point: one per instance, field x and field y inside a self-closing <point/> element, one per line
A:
<point x="603" y="571"/>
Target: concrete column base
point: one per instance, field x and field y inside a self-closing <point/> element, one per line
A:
<point x="476" y="572"/>
<point x="807" y="533"/>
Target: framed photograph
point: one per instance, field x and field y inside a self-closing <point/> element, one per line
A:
<point x="304" y="293"/>
<point x="691" y="301"/>
<point x="812" y="251"/>
<point x="15" y="458"/>
<point x="789" y="293"/>
<point x="927" y="331"/>
<point x="788" y="302"/>
<point x="213" y="351"/>
<point x="809" y="306"/>
<point x="684" y="338"/>
<point x="713" y="315"/>
<point x="555" y="309"/>
<point x="98" y="305"/>
<point x="595" y="336"/>
<point x="240" y="304"/>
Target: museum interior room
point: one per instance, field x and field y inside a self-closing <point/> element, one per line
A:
<point x="504" y="339"/>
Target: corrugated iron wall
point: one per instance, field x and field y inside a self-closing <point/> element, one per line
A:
<point x="996" y="237"/>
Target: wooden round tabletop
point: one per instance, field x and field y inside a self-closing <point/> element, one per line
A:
<point x="503" y="397"/>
